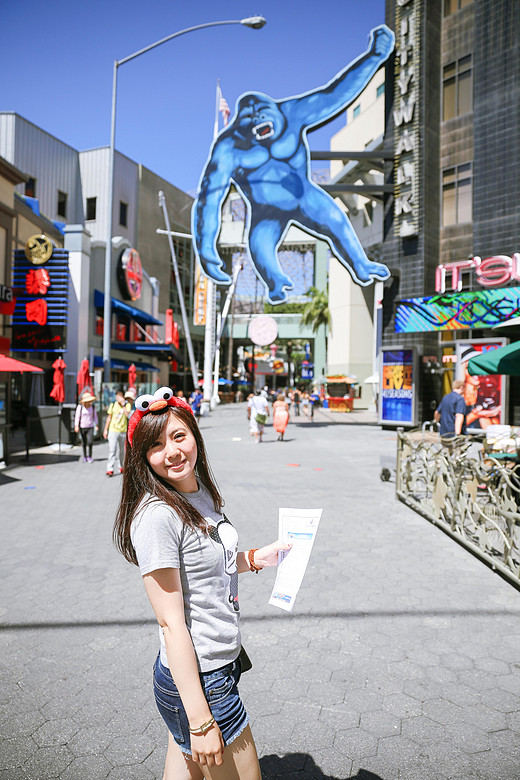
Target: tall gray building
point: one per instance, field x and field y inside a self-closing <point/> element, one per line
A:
<point x="453" y="101"/>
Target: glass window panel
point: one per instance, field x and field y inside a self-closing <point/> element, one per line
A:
<point x="465" y="93"/>
<point x="449" y="215"/>
<point x="464" y="168"/>
<point x="91" y="208"/>
<point x="449" y="70"/>
<point x="450" y="6"/>
<point x="464" y="3"/>
<point x="448" y="176"/>
<point x="464" y="193"/>
<point x="380" y="90"/>
<point x="357" y="111"/>
<point x="465" y="63"/>
<point x="448" y="100"/>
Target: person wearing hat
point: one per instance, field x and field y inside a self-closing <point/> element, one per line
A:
<point x="130" y="396"/>
<point x="86" y="423"/>
<point x="116" y="425"/>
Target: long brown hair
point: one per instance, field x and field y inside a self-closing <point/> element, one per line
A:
<point x="139" y="479"/>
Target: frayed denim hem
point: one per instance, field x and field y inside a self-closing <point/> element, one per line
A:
<point x="237" y="733"/>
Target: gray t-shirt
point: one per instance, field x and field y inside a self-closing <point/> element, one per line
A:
<point x="208" y="572"/>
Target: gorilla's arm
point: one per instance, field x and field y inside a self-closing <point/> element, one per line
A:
<point x="323" y="103"/>
<point x="214" y="186"/>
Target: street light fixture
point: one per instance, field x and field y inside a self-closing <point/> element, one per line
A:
<point x="254" y="22"/>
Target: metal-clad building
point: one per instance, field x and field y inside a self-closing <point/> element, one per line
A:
<point x="94" y="176"/>
<point x="51" y="165"/>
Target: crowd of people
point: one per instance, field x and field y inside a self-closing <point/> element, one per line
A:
<point x="297" y="400"/>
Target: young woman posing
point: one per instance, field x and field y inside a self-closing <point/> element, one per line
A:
<point x="170" y="524"/>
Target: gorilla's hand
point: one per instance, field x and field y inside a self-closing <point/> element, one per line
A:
<point x="381" y="42"/>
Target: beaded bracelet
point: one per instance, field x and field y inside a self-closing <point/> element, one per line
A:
<point x="251" y="560"/>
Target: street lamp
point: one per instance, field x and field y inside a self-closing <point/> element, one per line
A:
<point x="256" y="23"/>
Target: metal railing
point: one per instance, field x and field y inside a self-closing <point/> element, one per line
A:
<point x="472" y="495"/>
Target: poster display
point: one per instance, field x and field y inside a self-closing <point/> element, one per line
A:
<point x="484" y="395"/>
<point x="398" y="386"/>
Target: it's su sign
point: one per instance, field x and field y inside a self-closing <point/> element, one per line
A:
<point x="490" y="272"/>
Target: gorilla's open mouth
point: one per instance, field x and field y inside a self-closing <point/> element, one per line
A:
<point x="263" y="130"/>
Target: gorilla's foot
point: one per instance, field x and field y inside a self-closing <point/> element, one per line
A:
<point x="278" y="294"/>
<point x="216" y="273"/>
<point x="372" y="271"/>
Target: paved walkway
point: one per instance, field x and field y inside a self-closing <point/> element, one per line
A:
<point x="401" y="660"/>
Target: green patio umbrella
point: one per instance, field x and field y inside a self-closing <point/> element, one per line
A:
<point x="505" y="360"/>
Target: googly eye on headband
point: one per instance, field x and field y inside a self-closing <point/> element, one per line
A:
<point x="154" y="403"/>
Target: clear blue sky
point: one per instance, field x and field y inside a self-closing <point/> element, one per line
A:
<point x="56" y="64"/>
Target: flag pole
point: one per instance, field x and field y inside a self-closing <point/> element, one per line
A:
<point x="209" y="330"/>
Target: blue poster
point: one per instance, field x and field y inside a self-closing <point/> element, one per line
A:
<point x="397" y="386"/>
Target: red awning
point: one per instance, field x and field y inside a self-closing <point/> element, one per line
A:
<point x="10" y="364"/>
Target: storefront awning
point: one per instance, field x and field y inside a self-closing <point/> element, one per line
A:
<point x="161" y="351"/>
<point x="9" y="364"/>
<point x="124" y="308"/>
<point x="124" y="365"/>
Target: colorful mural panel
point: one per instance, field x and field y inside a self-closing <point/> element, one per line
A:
<point x="458" y="311"/>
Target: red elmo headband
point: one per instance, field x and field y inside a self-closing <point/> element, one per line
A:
<point x="153" y="403"/>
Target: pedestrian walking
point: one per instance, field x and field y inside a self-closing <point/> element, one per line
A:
<point x="451" y="412"/>
<point x="280" y="415"/>
<point x="259" y="412"/>
<point x="170" y="524"/>
<point x="86" y="423"/>
<point x="314" y="399"/>
<point x="296" y="402"/>
<point x="130" y="397"/>
<point x="306" y="404"/>
<point x="196" y="401"/>
<point x="116" y="426"/>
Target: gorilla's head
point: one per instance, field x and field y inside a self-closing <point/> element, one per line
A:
<point x="258" y="119"/>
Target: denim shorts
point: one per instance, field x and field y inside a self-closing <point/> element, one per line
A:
<point x="221" y="691"/>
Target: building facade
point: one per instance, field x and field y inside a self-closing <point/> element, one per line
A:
<point x="453" y="98"/>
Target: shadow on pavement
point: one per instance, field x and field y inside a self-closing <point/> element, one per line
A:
<point x="42" y="459"/>
<point x="5" y="479"/>
<point x="274" y="767"/>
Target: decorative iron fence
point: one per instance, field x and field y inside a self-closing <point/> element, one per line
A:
<point x="471" y="494"/>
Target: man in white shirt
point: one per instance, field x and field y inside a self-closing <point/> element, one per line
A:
<point x="259" y="408"/>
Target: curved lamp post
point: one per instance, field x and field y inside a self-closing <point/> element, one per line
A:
<point x="255" y="22"/>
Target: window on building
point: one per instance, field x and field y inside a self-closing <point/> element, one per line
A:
<point x="91" y="208"/>
<point x="457" y="195"/>
<point x="380" y="90"/>
<point x="457" y="88"/>
<point x="61" y="209"/>
<point x="123" y="214"/>
<point x="30" y="187"/>
<point x="357" y="110"/>
<point x="451" y="6"/>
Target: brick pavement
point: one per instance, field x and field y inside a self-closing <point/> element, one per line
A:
<point x="400" y="662"/>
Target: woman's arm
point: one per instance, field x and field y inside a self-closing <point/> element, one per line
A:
<point x="107" y="425"/>
<point x="164" y="590"/>
<point x="263" y="558"/>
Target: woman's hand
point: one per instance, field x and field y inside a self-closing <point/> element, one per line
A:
<point x="76" y="429"/>
<point x="208" y="750"/>
<point x="268" y="556"/>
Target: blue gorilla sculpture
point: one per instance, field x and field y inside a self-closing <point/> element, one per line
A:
<point x="264" y="152"/>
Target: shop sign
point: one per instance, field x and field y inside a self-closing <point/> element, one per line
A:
<point x="7" y="299"/>
<point x="490" y="272"/>
<point x="41" y="311"/>
<point x="201" y="297"/>
<point x="458" y="311"/>
<point x="130" y="274"/>
<point x="406" y="123"/>
<point x="38" y="249"/>
<point x="398" y="387"/>
<point x="484" y="395"/>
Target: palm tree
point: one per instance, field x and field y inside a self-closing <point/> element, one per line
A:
<point x="316" y="312"/>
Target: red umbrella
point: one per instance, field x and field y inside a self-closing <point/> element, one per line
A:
<point x="58" y="390"/>
<point x="10" y="364"/>
<point x="83" y="378"/>
<point x="132" y="375"/>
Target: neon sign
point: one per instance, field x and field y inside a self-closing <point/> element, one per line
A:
<point x="490" y="272"/>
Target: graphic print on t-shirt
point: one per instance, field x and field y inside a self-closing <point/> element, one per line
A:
<point x="225" y="534"/>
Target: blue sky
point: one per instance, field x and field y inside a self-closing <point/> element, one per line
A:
<point x="56" y="60"/>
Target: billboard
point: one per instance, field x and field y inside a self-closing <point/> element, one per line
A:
<point x="398" y="386"/>
<point x="484" y="395"/>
